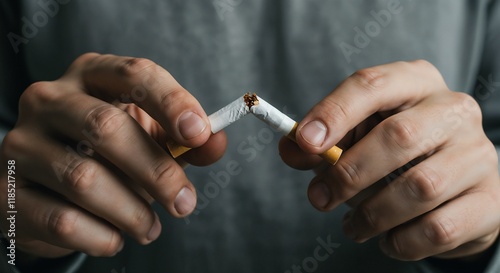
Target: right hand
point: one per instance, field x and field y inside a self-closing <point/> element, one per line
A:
<point x="89" y="162"/>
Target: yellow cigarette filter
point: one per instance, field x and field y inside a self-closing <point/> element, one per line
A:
<point x="331" y="155"/>
<point x="283" y="123"/>
<point x="251" y="103"/>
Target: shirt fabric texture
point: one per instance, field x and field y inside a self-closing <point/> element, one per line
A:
<point x="292" y="53"/>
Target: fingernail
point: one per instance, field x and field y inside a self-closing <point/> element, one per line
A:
<point x="185" y="201"/>
<point x="319" y="194"/>
<point x="191" y="125"/>
<point x="314" y="133"/>
<point x="155" y="230"/>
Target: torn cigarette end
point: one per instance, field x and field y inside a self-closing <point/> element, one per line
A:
<point x="220" y="120"/>
<point x="251" y="103"/>
<point x="284" y="124"/>
<point x="250" y="100"/>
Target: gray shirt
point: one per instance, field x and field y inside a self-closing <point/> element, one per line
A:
<point x="253" y="214"/>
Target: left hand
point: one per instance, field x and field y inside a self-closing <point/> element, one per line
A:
<point x="400" y="124"/>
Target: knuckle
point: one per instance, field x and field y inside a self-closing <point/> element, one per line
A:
<point x="397" y="246"/>
<point x="489" y="154"/>
<point x="113" y="245"/>
<point x="433" y="72"/>
<point x="348" y="175"/>
<point x="85" y="59"/>
<point x="12" y="143"/>
<point x="107" y="120"/>
<point x="172" y="97"/>
<point x="371" y="79"/>
<point x="81" y="175"/>
<point x="335" y="111"/>
<point x="424" y="64"/>
<point x="82" y="64"/>
<point x="140" y="217"/>
<point x="404" y="252"/>
<point x="38" y="94"/>
<point x="165" y="172"/>
<point x="366" y="213"/>
<point x="106" y="248"/>
<point x="62" y="222"/>
<point x="401" y="249"/>
<point x="400" y="132"/>
<point x="442" y="232"/>
<point x="133" y="67"/>
<point x="469" y="106"/>
<point x="424" y="185"/>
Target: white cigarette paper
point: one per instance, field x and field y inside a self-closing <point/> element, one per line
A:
<point x="283" y="123"/>
<point x="251" y="103"/>
<point x="272" y="116"/>
<point x="218" y="121"/>
<point x="228" y="114"/>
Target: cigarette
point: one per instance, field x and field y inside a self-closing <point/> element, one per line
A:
<point x="251" y="103"/>
<point x="218" y="121"/>
<point x="287" y="126"/>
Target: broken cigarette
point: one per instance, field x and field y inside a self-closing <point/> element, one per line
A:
<point x="251" y="103"/>
<point x="283" y="123"/>
<point x="218" y="121"/>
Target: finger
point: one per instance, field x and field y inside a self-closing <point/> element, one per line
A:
<point x="88" y="184"/>
<point x="204" y="155"/>
<point x="61" y="224"/>
<point x="393" y="143"/>
<point x="209" y="152"/>
<point x="41" y="249"/>
<point x="294" y="157"/>
<point x="118" y="138"/>
<point x="470" y="249"/>
<point x="394" y="86"/>
<point x="152" y="88"/>
<point x="462" y="220"/>
<point x="417" y="191"/>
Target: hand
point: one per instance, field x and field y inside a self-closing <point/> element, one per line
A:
<point x="438" y="189"/>
<point x="89" y="163"/>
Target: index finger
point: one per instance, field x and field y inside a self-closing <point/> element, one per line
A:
<point x="394" y="86"/>
<point x="152" y="88"/>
